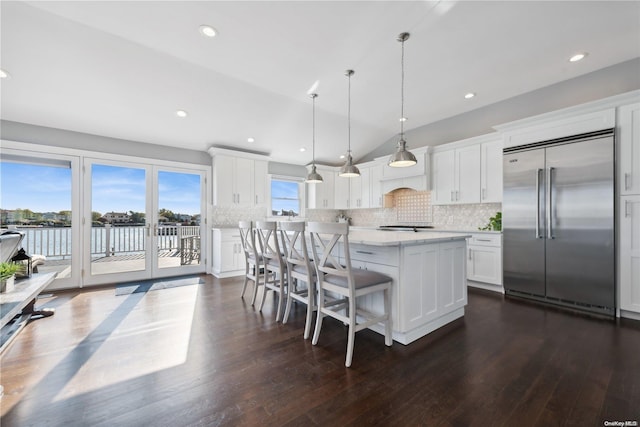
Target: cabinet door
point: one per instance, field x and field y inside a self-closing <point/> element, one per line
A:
<point x="484" y="264"/>
<point x="341" y="192"/>
<point x="260" y="182"/>
<point x="243" y="179"/>
<point x="467" y="184"/>
<point x="443" y="177"/>
<point x="223" y="172"/>
<point x="376" y="198"/>
<point x="629" y="149"/>
<point x="326" y="190"/>
<point x="419" y="274"/>
<point x="491" y="172"/>
<point x="629" y="258"/>
<point x="452" y="276"/>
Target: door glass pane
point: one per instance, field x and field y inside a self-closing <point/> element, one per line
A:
<point x="178" y="219"/>
<point x="36" y="200"/>
<point x="118" y="232"/>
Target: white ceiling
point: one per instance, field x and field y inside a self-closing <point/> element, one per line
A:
<point x="122" y="69"/>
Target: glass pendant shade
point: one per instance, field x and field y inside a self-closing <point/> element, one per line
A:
<point x="314" y="177"/>
<point x="402" y="157"/>
<point x="349" y="170"/>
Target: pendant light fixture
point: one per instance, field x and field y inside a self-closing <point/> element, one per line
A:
<point x="349" y="170"/>
<point x="313" y="177"/>
<point x="402" y="157"/>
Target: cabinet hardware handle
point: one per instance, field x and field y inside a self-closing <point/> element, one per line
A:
<point x="452" y="196"/>
<point x="538" y="172"/>
<point x="364" y="252"/>
<point x="469" y="254"/>
<point x="483" y="240"/>
<point x="549" y="204"/>
<point x="457" y="195"/>
<point x="627" y="186"/>
<point x="483" y="194"/>
<point x="256" y="199"/>
<point x="627" y="210"/>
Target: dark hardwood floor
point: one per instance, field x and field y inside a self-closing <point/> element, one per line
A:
<point x="201" y="356"/>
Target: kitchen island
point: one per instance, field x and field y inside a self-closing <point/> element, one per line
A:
<point x="429" y="277"/>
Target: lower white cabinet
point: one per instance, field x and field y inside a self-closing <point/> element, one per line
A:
<point x="484" y="261"/>
<point x="429" y="285"/>
<point x="228" y="256"/>
<point x="629" y="256"/>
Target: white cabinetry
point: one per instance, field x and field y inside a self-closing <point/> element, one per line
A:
<point x="260" y="181"/>
<point x="341" y="192"/>
<point x="628" y="134"/>
<point x="420" y="168"/>
<point x="491" y="172"/>
<point x="321" y="195"/>
<point x="238" y="181"/>
<point x="456" y="176"/>
<point x="629" y="255"/>
<point x="484" y="261"/>
<point x="429" y="284"/>
<point x="228" y="256"/>
<point x="376" y="196"/>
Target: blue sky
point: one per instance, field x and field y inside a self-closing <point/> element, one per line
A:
<point x="287" y="194"/>
<point x="48" y="189"/>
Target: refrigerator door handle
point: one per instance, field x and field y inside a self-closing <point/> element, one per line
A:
<point x="549" y="204"/>
<point x="538" y="172"/>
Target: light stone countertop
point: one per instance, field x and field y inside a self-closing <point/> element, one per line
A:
<point x="396" y="238"/>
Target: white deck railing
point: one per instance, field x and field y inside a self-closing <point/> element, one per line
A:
<point x="55" y="242"/>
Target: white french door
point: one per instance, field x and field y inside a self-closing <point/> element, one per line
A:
<point x="141" y="221"/>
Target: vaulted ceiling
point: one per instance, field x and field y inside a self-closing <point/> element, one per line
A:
<point x="123" y="68"/>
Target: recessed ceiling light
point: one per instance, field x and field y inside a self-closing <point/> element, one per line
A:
<point x="3" y="74"/>
<point x="250" y="139"/>
<point x="342" y="156"/>
<point x="207" y="30"/>
<point x="181" y="113"/>
<point x="469" y="95"/>
<point x="302" y="149"/>
<point x="578" y="56"/>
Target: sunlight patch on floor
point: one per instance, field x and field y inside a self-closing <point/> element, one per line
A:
<point x="135" y="340"/>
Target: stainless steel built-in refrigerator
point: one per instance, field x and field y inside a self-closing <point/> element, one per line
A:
<point x="558" y="222"/>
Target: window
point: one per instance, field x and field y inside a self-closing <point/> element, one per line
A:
<point x="285" y="197"/>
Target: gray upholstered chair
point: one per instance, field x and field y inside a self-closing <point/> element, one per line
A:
<point x="346" y="282"/>
<point x="275" y="267"/>
<point x="301" y="270"/>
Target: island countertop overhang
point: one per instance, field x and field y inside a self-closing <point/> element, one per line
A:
<point x="401" y="238"/>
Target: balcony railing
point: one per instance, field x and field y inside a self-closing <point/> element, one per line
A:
<point x="55" y="242"/>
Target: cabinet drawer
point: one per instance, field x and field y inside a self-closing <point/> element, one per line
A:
<point x="487" y="239"/>
<point x="386" y="255"/>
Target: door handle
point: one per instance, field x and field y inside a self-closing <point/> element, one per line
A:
<point x="148" y="230"/>
<point x="538" y="172"/>
<point x="550" y="204"/>
<point x="155" y="229"/>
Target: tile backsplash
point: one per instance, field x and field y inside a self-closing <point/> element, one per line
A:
<point x="408" y="206"/>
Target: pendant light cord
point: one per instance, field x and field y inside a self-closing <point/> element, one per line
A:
<point x="313" y="130"/>
<point x="402" y="93"/>
<point x="349" y="72"/>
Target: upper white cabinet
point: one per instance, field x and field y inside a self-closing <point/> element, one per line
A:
<point x="238" y="181"/>
<point x="341" y="192"/>
<point x="491" y="172"/>
<point x="376" y="196"/>
<point x="456" y="176"/>
<point x="628" y="134"/>
<point x="321" y="195"/>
